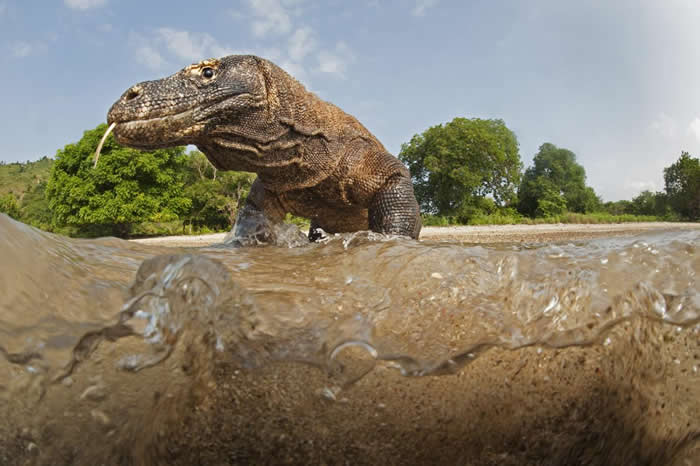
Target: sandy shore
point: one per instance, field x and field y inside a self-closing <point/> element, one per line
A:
<point x="479" y="234"/>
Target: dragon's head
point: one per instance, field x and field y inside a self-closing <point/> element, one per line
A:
<point x="185" y="107"/>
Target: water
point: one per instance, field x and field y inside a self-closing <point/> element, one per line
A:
<point x="113" y="352"/>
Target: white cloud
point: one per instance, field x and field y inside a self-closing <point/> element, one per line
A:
<point x="296" y="70"/>
<point x="694" y="127"/>
<point x="3" y="8"/>
<point x="664" y="125"/>
<point x="271" y="16"/>
<point x="330" y="63"/>
<point x="335" y="62"/>
<point x="271" y="54"/>
<point x="275" y="20"/>
<point x="165" y="45"/>
<point x="637" y="186"/>
<point x="84" y="4"/>
<point x="301" y="43"/>
<point x="192" y="46"/>
<point x="22" y="49"/>
<point x="145" y="51"/>
<point x="295" y="47"/>
<point x="147" y="55"/>
<point x="422" y="6"/>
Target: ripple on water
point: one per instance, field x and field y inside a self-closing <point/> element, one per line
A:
<point x="123" y="334"/>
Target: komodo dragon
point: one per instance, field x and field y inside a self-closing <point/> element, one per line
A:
<point x="312" y="159"/>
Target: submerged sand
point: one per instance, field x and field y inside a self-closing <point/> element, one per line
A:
<point x="634" y="400"/>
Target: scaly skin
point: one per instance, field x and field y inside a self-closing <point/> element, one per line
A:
<point x="312" y="159"/>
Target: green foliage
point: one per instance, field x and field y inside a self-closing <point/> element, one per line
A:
<point x="35" y="208"/>
<point x="601" y="217"/>
<point x="617" y="207"/>
<point x="457" y="165"/>
<point x="508" y="216"/>
<point x="464" y="172"/>
<point x="9" y="205"/>
<point x="216" y="197"/>
<point x="514" y="218"/>
<point x="184" y="194"/>
<point x="555" y="183"/>
<point x="550" y="206"/>
<point x="682" y="180"/>
<point x="549" y="199"/>
<point x="128" y="186"/>
<point x="430" y="220"/>
<point x="26" y="183"/>
<point x="644" y="203"/>
<point x="649" y="203"/>
<point x="18" y="177"/>
<point x="302" y="223"/>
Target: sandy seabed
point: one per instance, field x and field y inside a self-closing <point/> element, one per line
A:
<point x="629" y="402"/>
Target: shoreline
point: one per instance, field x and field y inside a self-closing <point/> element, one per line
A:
<point x="478" y="233"/>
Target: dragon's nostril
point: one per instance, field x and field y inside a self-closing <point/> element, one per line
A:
<point x="133" y="93"/>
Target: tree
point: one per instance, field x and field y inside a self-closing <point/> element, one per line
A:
<point x="9" y="205"/>
<point x="555" y="183"/>
<point x="128" y="186"/>
<point x="216" y="197"/>
<point x="618" y="207"/>
<point x="649" y="203"/>
<point x="682" y="180"/>
<point x="455" y="165"/>
<point x="35" y="209"/>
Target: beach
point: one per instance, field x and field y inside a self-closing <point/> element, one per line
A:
<point x="479" y="234"/>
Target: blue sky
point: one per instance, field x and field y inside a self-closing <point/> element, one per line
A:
<point x="616" y="81"/>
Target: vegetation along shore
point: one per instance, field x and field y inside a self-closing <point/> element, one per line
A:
<point x="465" y="172"/>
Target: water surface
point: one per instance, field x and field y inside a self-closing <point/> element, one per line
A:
<point x="105" y="344"/>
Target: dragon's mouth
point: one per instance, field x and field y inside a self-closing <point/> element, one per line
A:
<point x="145" y="121"/>
<point x="163" y="131"/>
<point x="153" y="133"/>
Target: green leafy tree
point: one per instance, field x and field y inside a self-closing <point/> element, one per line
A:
<point x="235" y="186"/>
<point x="550" y="202"/>
<point x="216" y="196"/>
<point x="9" y="205"/>
<point x="35" y="208"/>
<point x="650" y="203"/>
<point x="682" y="181"/>
<point x="128" y="186"/>
<point x="618" y="207"/>
<point x="555" y="183"/>
<point x="455" y="165"/>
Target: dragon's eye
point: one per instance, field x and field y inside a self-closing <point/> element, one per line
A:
<point x="208" y="73"/>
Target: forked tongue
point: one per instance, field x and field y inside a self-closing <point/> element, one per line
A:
<point x="99" y="146"/>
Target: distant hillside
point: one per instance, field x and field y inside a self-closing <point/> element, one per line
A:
<point x="18" y="177"/>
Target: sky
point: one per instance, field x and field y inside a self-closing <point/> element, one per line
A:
<point x="615" y="81"/>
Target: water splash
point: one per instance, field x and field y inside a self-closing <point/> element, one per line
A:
<point x="123" y="338"/>
<point x="254" y="229"/>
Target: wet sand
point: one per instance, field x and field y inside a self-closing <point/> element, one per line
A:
<point x="480" y="234"/>
<point x="634" y="400"/>
<point x="627" y="403"/>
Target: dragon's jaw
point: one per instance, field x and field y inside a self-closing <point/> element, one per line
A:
<point x="160" y="132"/>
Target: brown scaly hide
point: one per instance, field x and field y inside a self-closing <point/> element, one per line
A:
<point x="312" y="159"/>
